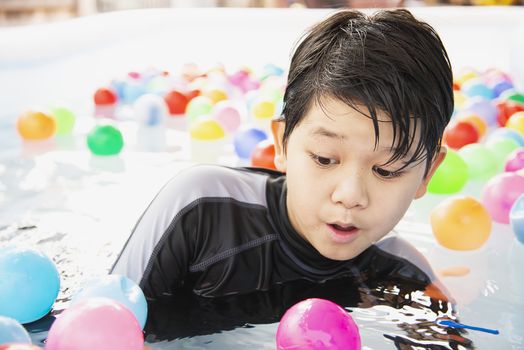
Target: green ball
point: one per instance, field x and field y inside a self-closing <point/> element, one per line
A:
<point x="64" y="119"/>
<point x="501" y="148"/>
<point x="197" y="107"/>
<point x="482" y="163"/>
<point x="450" y="176"/>
<point x="516" y="97"/>
<point x="105" y="140"/>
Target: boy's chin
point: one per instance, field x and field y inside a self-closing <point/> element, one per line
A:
<point x="339" y="255"/>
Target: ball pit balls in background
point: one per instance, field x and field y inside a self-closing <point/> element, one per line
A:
<point x="515" y="161"/>
<point x="263" y="109"/>
<point x="19" y="347"/>
<point x="35" y="126"/>
<point x="206" y="130"/>
<point x="150" y="110"/>
<point x="506" y="109"/>
<point x="500" y="193"/>
<point x="317" y="324"/>
<point x="118" y="288"/>
<point x="29" y="284"/>
<point x="96" y="323"/>
<point x="516" y="218"/>
<point x="474" y="120"/>
<point x="215" y="95"/>
<point x="482" y="108"/>
<point x="460" y="223"/>
<point x="264" y="155"/>
<point x="513" y="96"/>
<point x="11" y="331"/>
<point x="105" y="140"/>
<point x="176" y="102"/>
<point x="451" y="175"/>
<point x="227" y="115"/>
<point x="516" y="122"/>
<point x="458" y="134"/>
<point x="198" y="106"/>
<point x="460" y="99"/>
<point x="246" y="140"/>
<point x="482" y="163"/>
<point x="105" y="96"/>
<point x="64" y="119"/>
<point x="475" y="87"/>
<point x="501" y="148"/>
<point x="507" y="134"/>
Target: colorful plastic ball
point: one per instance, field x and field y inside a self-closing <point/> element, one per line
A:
<point x="118" y="288"/>
<point x="150" y="110"/>
<point x="515" y="161"/>
<point x="500" y="193"/>
<point x="516" y="218"/>
<point x="465" y="75"/>
<point x="96" y="323"/>
<point x="199" y="106"/>
<point x="35" y="126"/>
<point x="105" y="96"/>
<point x="19" y="346"/>
<point x="11" y="331"/>
<point x="317" y="324"/>
<point x="478" y="122"/>
<point x="215" y="95"/>
<point x="264" y="155"/>
<point x="483" y="108"/>
<point x="475" y="87"/>
<point x="132" y="90"/>
<point x="451" y="175"/>
<point x="513" y="96"/>
<point x="516" y="122"/>
<point x="227" y="115"/>
<point x="206" y="130"/>
<point x="105" y="140"/>
<point x="507" y="134"/>
<point x="263" y="109"/>
<point x="506" y="109"/>
<point x="246" y="140"/>
<point x="64" y="119"/>
<point x="29" y="284"/>
<point x="458" y="134"/>
<point x="459" y="98"/>
<point x="501" y="148"/>
<point x="482" y="163"/>
<point x="176" y="102"/>
<point x="500" y="86"/>
<point x="460" y="223"/>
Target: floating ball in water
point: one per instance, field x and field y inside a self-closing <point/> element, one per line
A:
<point x="500" y="193"/>
<point x="516" y="122"/>
<point x="96" y="323"/>
<point x="64" y="119"/>
<point x="105" y="140"/>
<point x="105" y="96"/>
<point x="198" y="106"/>
<point x="461" y="223"/>
<point x="176" y="102"/>
<point x="450" y="176"/>
<point x="458" y="134"/>
<point x="150" y="110"/>
<point x="246" y="140"/>
<point x="118" y="288"/>
<point x="516" y="218"/>
<point x="29" y="284"/>
<point x="515" y="161"/>
<point x="317" y="324"/>
<point x="227" y="115"/>
<point x="35" y="126"/>
<point x="264" y="155"/>
<point x="482" y="163"/>
<point x="11" y="331"/>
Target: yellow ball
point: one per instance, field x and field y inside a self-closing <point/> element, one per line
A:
<point x="466" y="75"/>
<point x="516" y="122"/>
<point x="264" y="109"/>
<point x="207" y="130"/>
<point x="35" y="126"/>
<point x="461" y="223"/>
<point x="460" y="99"/>
<point x="216" y="95"/>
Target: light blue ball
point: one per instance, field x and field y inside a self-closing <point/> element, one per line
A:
<point x="507" y="133"/>
<point x="29" y="284"/>
<point x="120" y="289"/>
<point x="246" y="140"/>
<point x="478" y="89"/>
<point x="516" y="218"/>
<point x="11" y="331"/>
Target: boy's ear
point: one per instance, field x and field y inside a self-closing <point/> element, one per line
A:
<point x="277" y="127"/>
<point x="436" y="163"/>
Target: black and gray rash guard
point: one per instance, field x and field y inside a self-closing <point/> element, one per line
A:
<point x="221" y="231"/>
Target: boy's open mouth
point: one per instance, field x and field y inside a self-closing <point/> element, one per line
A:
<point x="343" y="234"/>
<point x="343" y="228"/>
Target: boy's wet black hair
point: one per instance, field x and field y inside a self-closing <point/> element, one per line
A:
<point x="388" y="62"/>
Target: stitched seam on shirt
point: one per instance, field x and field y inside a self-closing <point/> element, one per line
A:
<point x="232" y="251"/>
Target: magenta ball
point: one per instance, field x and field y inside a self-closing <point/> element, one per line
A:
<point x="227" y="115"/>
<point x="96" y="323"/>
<point x="515" y="160"/>
<point x="500" y="193"/>
<point x="317" y="324"/>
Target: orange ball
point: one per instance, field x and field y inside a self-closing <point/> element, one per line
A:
<point x="461" y="223"/>
<point x="35" y="126"/>
<point x="264" y="155"/>
<point x="474" y="120"/>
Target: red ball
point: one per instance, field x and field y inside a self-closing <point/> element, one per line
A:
<point x="506" y="110"/>
<point x="19" y="347"/>
<point x="105" y="96"/>
<point x="176" y="102"/>
<point x="264" y="155"/>
<point x="459" y="134"/>
<point x="192" y="94"/>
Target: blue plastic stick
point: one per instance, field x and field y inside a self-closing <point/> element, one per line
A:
<point x="460" y="325"/>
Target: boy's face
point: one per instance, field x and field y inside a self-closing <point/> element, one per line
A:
<point x="341" y="198"/>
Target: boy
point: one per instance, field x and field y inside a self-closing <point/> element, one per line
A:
<point x="365" y="107"/>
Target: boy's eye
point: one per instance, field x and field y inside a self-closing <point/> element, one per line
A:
<point x="322" y="161"/>
<point x="386" y="173"/>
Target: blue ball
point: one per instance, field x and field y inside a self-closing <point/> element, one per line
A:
<point x="483" y="108"/>
<point x="472" y="89"/>
<point x="507" y="133"/>
<point x="11" y="331"/>
<point x="29" y="285"/>
<point x="246" y="140"/>
<point x="501" y="86"/>
<point x="120" y="289"/>
<point x="516" y="218"/>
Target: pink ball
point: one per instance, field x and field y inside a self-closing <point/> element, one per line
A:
<point x="500" y="193"/>
<point x="515" y="160"/>
<point x="96" y="323"/>
<point x="227" y="115"/>
<point x="317" y="324"/>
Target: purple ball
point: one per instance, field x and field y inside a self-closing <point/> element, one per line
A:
<point x="500" y="193"/>
<point x="501" y="86"/>
<point x="515" y="160"/>
<point x="483" y="108"/>
<point x="317" y="324"/>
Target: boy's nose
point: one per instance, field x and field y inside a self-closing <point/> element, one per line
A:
<point x="351" y="192"/>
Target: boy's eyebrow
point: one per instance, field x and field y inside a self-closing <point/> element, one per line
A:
<point x="320" y="131"/>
